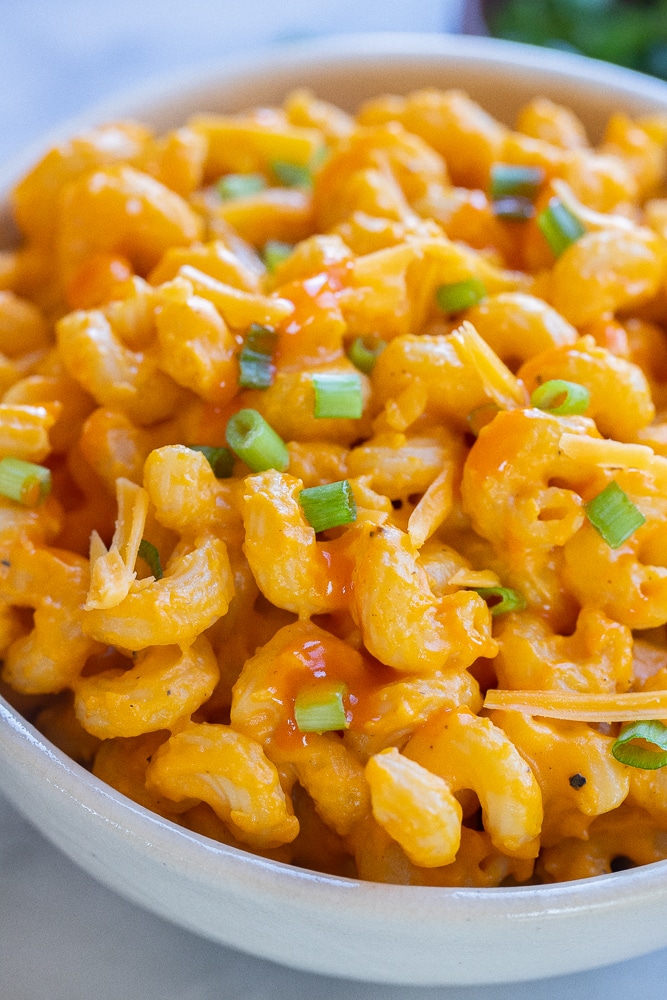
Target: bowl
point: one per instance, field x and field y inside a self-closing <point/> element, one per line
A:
<point x="339" y="926"/>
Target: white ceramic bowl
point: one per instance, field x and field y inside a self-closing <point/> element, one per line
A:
<point x="343" y="927"/>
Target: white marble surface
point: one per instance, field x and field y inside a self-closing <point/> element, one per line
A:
<point x="63" y="936"/>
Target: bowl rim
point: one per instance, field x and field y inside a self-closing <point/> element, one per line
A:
<point x="376" y="47"/>
<point x="20" y="741"/>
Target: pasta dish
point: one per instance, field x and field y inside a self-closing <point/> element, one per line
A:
<point x="333" y="482"/>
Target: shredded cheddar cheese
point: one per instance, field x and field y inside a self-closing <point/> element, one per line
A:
<point x="629" y="707"/>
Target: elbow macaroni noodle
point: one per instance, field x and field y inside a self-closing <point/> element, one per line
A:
<point x="123" y="315"/>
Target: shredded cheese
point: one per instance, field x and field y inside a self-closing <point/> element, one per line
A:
<point x="408" y="406"/>
<point x="630" y="707"/>
<point x="592" y="220"/>
<point x="235" y="305"/>
<point x="112" y="572"/>
<point x="433" y="508"/>
<point x="500" y="385"/>
<point x="614" y="454"/>
<point x="474" y="578"/>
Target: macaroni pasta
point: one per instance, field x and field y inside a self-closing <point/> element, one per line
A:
<point x="333" y="520"/>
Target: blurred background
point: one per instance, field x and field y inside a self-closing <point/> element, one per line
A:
<point x="632" y="33"/>
<point x="59" y="56"/>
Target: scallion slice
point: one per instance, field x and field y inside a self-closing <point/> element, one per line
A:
<point x="151" y="557"/>
<point x="460" y="295"/>
<point x="329" y="506"/>
<point x="221" y="460"/>
<point x="292" y="174"/>
<point x="513" y="179"/>
<point x="560" y="227"/>
<point x="255" y="442"/>
<point x="256" y="369"/>
<point x="319" y="157"/>
<point x="319" y="708"/>
<point x="643" y="757"/>
<point x="24" y="482"/>
<point x="274" y="253"/>
<point x="364" y="357"/>
<point x="502" y="599"/>
<point x="240" y="185"/>
<point x="560" y="397"/>
<point x="613" y="515"/>
<point x="514" y="208"/>
<point x="338" y="394"/>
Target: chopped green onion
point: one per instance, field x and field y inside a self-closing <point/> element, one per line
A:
<point x="319" y="157"/>
<point x="221" y="460"/>
<point x="613" y="515"/>
<point x="240" y="185"/>
<point x="514" y="208"/>
<point x="24" y="481"/>
<point x="256" y="359"/>
<point x="364" y="357"/>
<point x="329" y="506"/>
<point x="460" y="295"/>
<point x="338" y="394"/>
<point x="292" y="174"/>
<point x="255" y="442"/>
<point x="151" y="557"/>
<point x="481" y="416"/>
<point x="511" y="179"/>
<point x="508" y="599"/>
<point x="638" y="756"/>
<point x="561" y="398"/>
<point x="274" y="253"/>
<point x="513" y="189"/>
<point x="560" y="227"/>
<point x="319" y="708"/>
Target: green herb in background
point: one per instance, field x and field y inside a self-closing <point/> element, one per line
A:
<point x="631" y="33"/>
